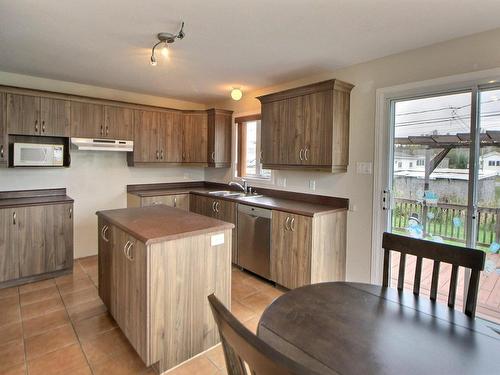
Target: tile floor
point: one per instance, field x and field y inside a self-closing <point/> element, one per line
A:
<point x="60" y="326"/>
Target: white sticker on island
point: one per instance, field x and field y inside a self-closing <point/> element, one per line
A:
<point x="217" y="239"/>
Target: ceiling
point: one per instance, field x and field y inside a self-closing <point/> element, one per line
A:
<point x="251" y="44"/>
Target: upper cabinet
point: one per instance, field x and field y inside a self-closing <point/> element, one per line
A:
<point x="87" y="120"/>
<point x="219" y="137"/>
<point x="3" y="132"/>
<point x="35" y="115"/>
<point x="194" y="137"/>
<point x="307" y="127"/>
<point x="118" y="123"/>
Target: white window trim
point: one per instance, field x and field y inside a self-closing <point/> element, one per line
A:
<point x="382" y="135"/>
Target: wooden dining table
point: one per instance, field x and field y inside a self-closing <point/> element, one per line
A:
<point x="353" y="328"/>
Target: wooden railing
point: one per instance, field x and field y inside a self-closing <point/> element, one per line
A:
<point x="439" y="220"/>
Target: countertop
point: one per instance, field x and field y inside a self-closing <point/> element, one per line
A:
<point x="162" y="223"/>
<point x="22" y="198"/>
<point x="274" y="203"/>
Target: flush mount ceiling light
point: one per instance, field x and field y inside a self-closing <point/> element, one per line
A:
<point x="236" y="94"/>
<point x="164" y="40"/>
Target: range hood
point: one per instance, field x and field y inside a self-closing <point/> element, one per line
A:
<point x="92" y="144"/>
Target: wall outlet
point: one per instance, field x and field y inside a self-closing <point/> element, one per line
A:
<point x="364" y="167"/>
<point x="312" y="184"/>
<point x="217" y="239"/>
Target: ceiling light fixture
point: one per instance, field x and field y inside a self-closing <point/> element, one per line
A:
<point x="236" y="94"/>
<point x="165" y="39"/>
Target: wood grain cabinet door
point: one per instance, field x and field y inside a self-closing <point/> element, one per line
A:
<point x="59" y="236"/>
<point x="220" y="124"/>
<point x="273" y="133"/>
<point x="194" y="138"/>
<point x="291" y="245"/>
<point x="171" y="137"/>
<point x="23" y="114"/>
<point x="180" y="201"/>
<point x="119" y="123"/>
<point x="146" y="136"/>
<point x="87" y="120"/>
<point x="226" y="211"/>
<point x="105" y="262"/>
<point x="318" y="128"/>
<point x="3" y="131"/>
<point x="9" y="239"/>
<point x="294" y="133"/>
<point x="33" y="258"/>
<point x="55" y="117"/>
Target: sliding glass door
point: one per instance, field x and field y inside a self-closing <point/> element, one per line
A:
<point x="445" y="183"/>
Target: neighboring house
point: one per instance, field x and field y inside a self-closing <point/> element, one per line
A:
<point x="490" y="161"/>
<point x="408" y="162"/>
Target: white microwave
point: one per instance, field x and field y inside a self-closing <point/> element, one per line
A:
<point x="38" y="155"/>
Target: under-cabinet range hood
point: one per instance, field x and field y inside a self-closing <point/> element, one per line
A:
<point x="92" y="144"/>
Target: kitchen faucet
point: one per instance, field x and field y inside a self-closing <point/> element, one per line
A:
<point x="243" y="186"/>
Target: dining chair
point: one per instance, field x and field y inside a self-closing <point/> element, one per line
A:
<point x="241" y="346"/>
<point x="457" y="256"/>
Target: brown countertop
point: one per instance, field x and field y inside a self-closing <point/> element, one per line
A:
<point x="283" y="202"/>
<point x="21" y="198"/>
<point x="162" y="223"/>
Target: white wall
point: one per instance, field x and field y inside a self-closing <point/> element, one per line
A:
<point x="464" y="55"/>
<point x="95" y="180"/>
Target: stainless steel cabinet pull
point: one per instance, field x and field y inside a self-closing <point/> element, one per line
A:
<point x="292" y="224"/>
<point x="213" y="206"/>
<point x="213" y="155"/>
<point x="107" y="129"/>
<point x="36" y="126"/>
<point x="161" y="154"/>
<point x="125" y="248"/>
<point x="157" y="155"/>
<point x="217" y="207"/>
<point x="102" y="130"/>
<point x="14" y="216"/>
<point x="70" y="213"/>
<point x="1" y="151"/>
<point x="130" y="255"/>
<point x="286" y="223"/>
<point x="301" y="156"/>
<point x="175" y="201"/>
<point x="305" y="153"/>
<point x="43" y="126"/>
<point x="104" y="230"/>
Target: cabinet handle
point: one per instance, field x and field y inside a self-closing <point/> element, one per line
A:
<point x="217" y="205"/>
<point x="301" y="157"/>
<point x="157" y="155"/>
<point x="107" y="129"/>
<point x="43" y="126"/>
<point x="14" y="216"/>
<point x="70" y="213"/>
<point x="1" y="151"/>
<point x="261" y="157"/>
<point x="36" y="126"/>
<point x="286" y="223"/>
<point x="102" y="130"/>
<point x="292" y="224"/>
<point x="213" y="206"/>
<point x="125" y="248"/>
<point x="130" y="254"/>
<point x="213" y="155"/>
<point x="161" y="154"/>
<point x="104" y="230"/>
<point x="175" y="201"/>
<point x="305" y="153"/>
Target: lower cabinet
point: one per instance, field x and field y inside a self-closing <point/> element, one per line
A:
<point x="35" y="240"/>
<point x="218" y="209"/>
<point x="307" y="250"/>
<point x="180" y="201"/>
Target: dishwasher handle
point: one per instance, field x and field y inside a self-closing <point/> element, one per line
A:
<point x="254" y="211"/>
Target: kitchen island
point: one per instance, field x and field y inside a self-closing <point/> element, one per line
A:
<point x="157" y="265"/>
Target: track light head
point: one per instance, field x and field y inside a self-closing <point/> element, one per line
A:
<point x="165" y="39"/>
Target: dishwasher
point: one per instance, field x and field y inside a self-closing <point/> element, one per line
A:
<point x="254" y="239"/>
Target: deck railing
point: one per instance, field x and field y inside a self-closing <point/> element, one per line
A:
<point x="447" y="220"/>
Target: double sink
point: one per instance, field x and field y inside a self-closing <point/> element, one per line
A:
<point x="233" y="194"/>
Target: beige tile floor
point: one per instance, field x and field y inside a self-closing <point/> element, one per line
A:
<point x="60" y="326"/>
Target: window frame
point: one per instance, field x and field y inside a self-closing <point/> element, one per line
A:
<point x="240" y="170"/>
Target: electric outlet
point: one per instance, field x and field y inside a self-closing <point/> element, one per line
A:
<point x="312" y="184"/>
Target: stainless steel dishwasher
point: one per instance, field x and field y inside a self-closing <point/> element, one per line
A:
<point x="254" y="239"/>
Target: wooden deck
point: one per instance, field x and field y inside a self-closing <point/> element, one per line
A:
<point x="488" y="306"/>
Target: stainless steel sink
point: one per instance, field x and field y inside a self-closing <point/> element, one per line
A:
<point x="234" y="194"/>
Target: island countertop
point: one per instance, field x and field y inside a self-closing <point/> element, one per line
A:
<point x="162" y="223"/>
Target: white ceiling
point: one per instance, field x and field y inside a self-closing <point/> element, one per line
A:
<point x="247" y="43"/>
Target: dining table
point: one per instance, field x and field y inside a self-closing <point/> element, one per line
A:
<point x="355" y="328"/>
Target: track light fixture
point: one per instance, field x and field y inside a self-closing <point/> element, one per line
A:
<point x="164" y="39"/>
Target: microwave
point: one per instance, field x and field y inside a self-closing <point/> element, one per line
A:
<point x="38" y="155"/>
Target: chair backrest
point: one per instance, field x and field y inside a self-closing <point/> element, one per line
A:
<point x="439" y="252"/>
<point x="242" y="346"/>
